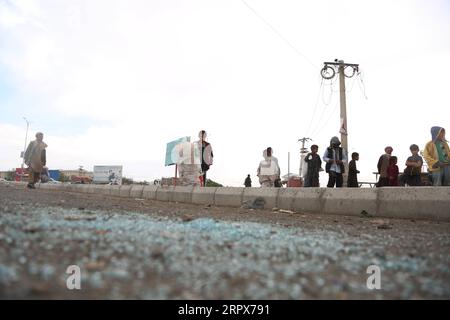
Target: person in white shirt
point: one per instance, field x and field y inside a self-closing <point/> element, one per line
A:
<point x="268" y="170"/>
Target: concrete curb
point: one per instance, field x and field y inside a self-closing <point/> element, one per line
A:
<point x="428" y="203"/>
<point x="228" y="197"/>
<point x="415" y="203"/>
<point x="203" y="195"/>
<point x="149" y="192"/>
<point x="164" y="193"/>
<point x="270" y="195"/>
<point x="341" y="201"/>
<point x="137" y="191"/>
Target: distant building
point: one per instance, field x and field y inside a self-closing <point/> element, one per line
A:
<point x="78" y="173"/>
<point x="4" y="174"/>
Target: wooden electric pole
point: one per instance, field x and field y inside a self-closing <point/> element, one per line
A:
<point x="328" y="72"/>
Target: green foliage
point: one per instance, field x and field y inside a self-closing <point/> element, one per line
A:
<point x="210" y="183"/>
<point x="63" y="177"/>
<point x="11" y="175"/>
<point x="127" y="181"/>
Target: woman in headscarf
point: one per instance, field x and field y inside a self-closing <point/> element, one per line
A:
<point x="268" y="169"/>
<point x="437" y="155"/>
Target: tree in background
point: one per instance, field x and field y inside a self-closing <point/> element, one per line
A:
<point x="10" y="175"/>
<point x="63" y="177"/>
<point x="127" y="180"/>
<point x="210" y="183"/>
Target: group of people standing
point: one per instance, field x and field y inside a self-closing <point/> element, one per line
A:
<point x="335" y="158"/>
<point x="269" y="170"/>
<point x="436" y="155"/>
<point x="193" y="171"/>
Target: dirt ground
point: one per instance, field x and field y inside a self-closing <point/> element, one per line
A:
<point x="142" y="249"/>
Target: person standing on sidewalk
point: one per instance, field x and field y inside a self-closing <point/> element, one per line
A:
<point x="393" y="172"/>
<point x="248" y="182"/>
<point x="335" y="158"/>
<point x="314" y="166"/>
<point x="352" y="180"/>
<point x="383" y="164"/>
<point x="206" y="154"/>
<point x="268" y="170"/>
<point x="411" y="175"/>
<point x="437" y="155"/>
<point x="35" y="158"/>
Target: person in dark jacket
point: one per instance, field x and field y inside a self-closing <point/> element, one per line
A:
<point x="314" y="165"/>
<point x="352" y="180"/>
<point x="35" y="158"/>
<point x="335" y="157"/>
<point x="248" y="182"/>
<point x="207" y="154"/>
<point x="411" y="174"/>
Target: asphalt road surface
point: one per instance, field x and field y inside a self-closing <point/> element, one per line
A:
<point x="142" y="249"/>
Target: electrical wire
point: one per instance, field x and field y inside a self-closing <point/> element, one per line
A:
<point x="361" y="82"/>
<point x="328" y="120"/>
<point x="315" y="107"/>
<point x="280" y="35"/>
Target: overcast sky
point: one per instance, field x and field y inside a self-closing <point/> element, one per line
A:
<point x="112" y="81"/>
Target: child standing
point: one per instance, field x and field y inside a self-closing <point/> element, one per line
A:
<point x="413" y="169"/>
<point x="314" y="165"/>
<point x="352" y="181"/>
<point x="393" y="172"/>
<point x="248" y="182"/>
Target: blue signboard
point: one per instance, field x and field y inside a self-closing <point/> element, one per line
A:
<point x="170" y="148"/>
<point x="54" y="174"/>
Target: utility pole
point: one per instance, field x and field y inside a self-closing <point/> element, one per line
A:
<point x="303" y="152"/>
<point x="329" y="72"/>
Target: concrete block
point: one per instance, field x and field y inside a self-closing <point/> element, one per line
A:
<point x="182" y="194"/>
<point x="286" y="197"/>
<point x="164" y="193"/>
<point x="74" y="187"/>
<point x="149" y="192"/>
<point x="203" y="195"/>
<point x="104" y="189"/>
<point x="64" y="186"/>
<point x="431" y="203"/>
<point x="114" y="190"/>
<point x="85" y="188"/>
<point x="308" y="200"/>
<point x="136" y="191"/>
<point x="270" y="195"/>
<point x="350" y="201"/>
<point x="96" y="189"/>
<point x="48" y="186"/>
<point x="43" y="186"/>
<point x="125" y="191"/>
<point x="228" y="196"/>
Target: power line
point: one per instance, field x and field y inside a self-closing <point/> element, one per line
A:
<point x="328" y="120"/>
<point x="315" y="107"/>
<point x="361" y="82"/>
<point x="280" y="35"/>
<point x="330" y="95"/>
